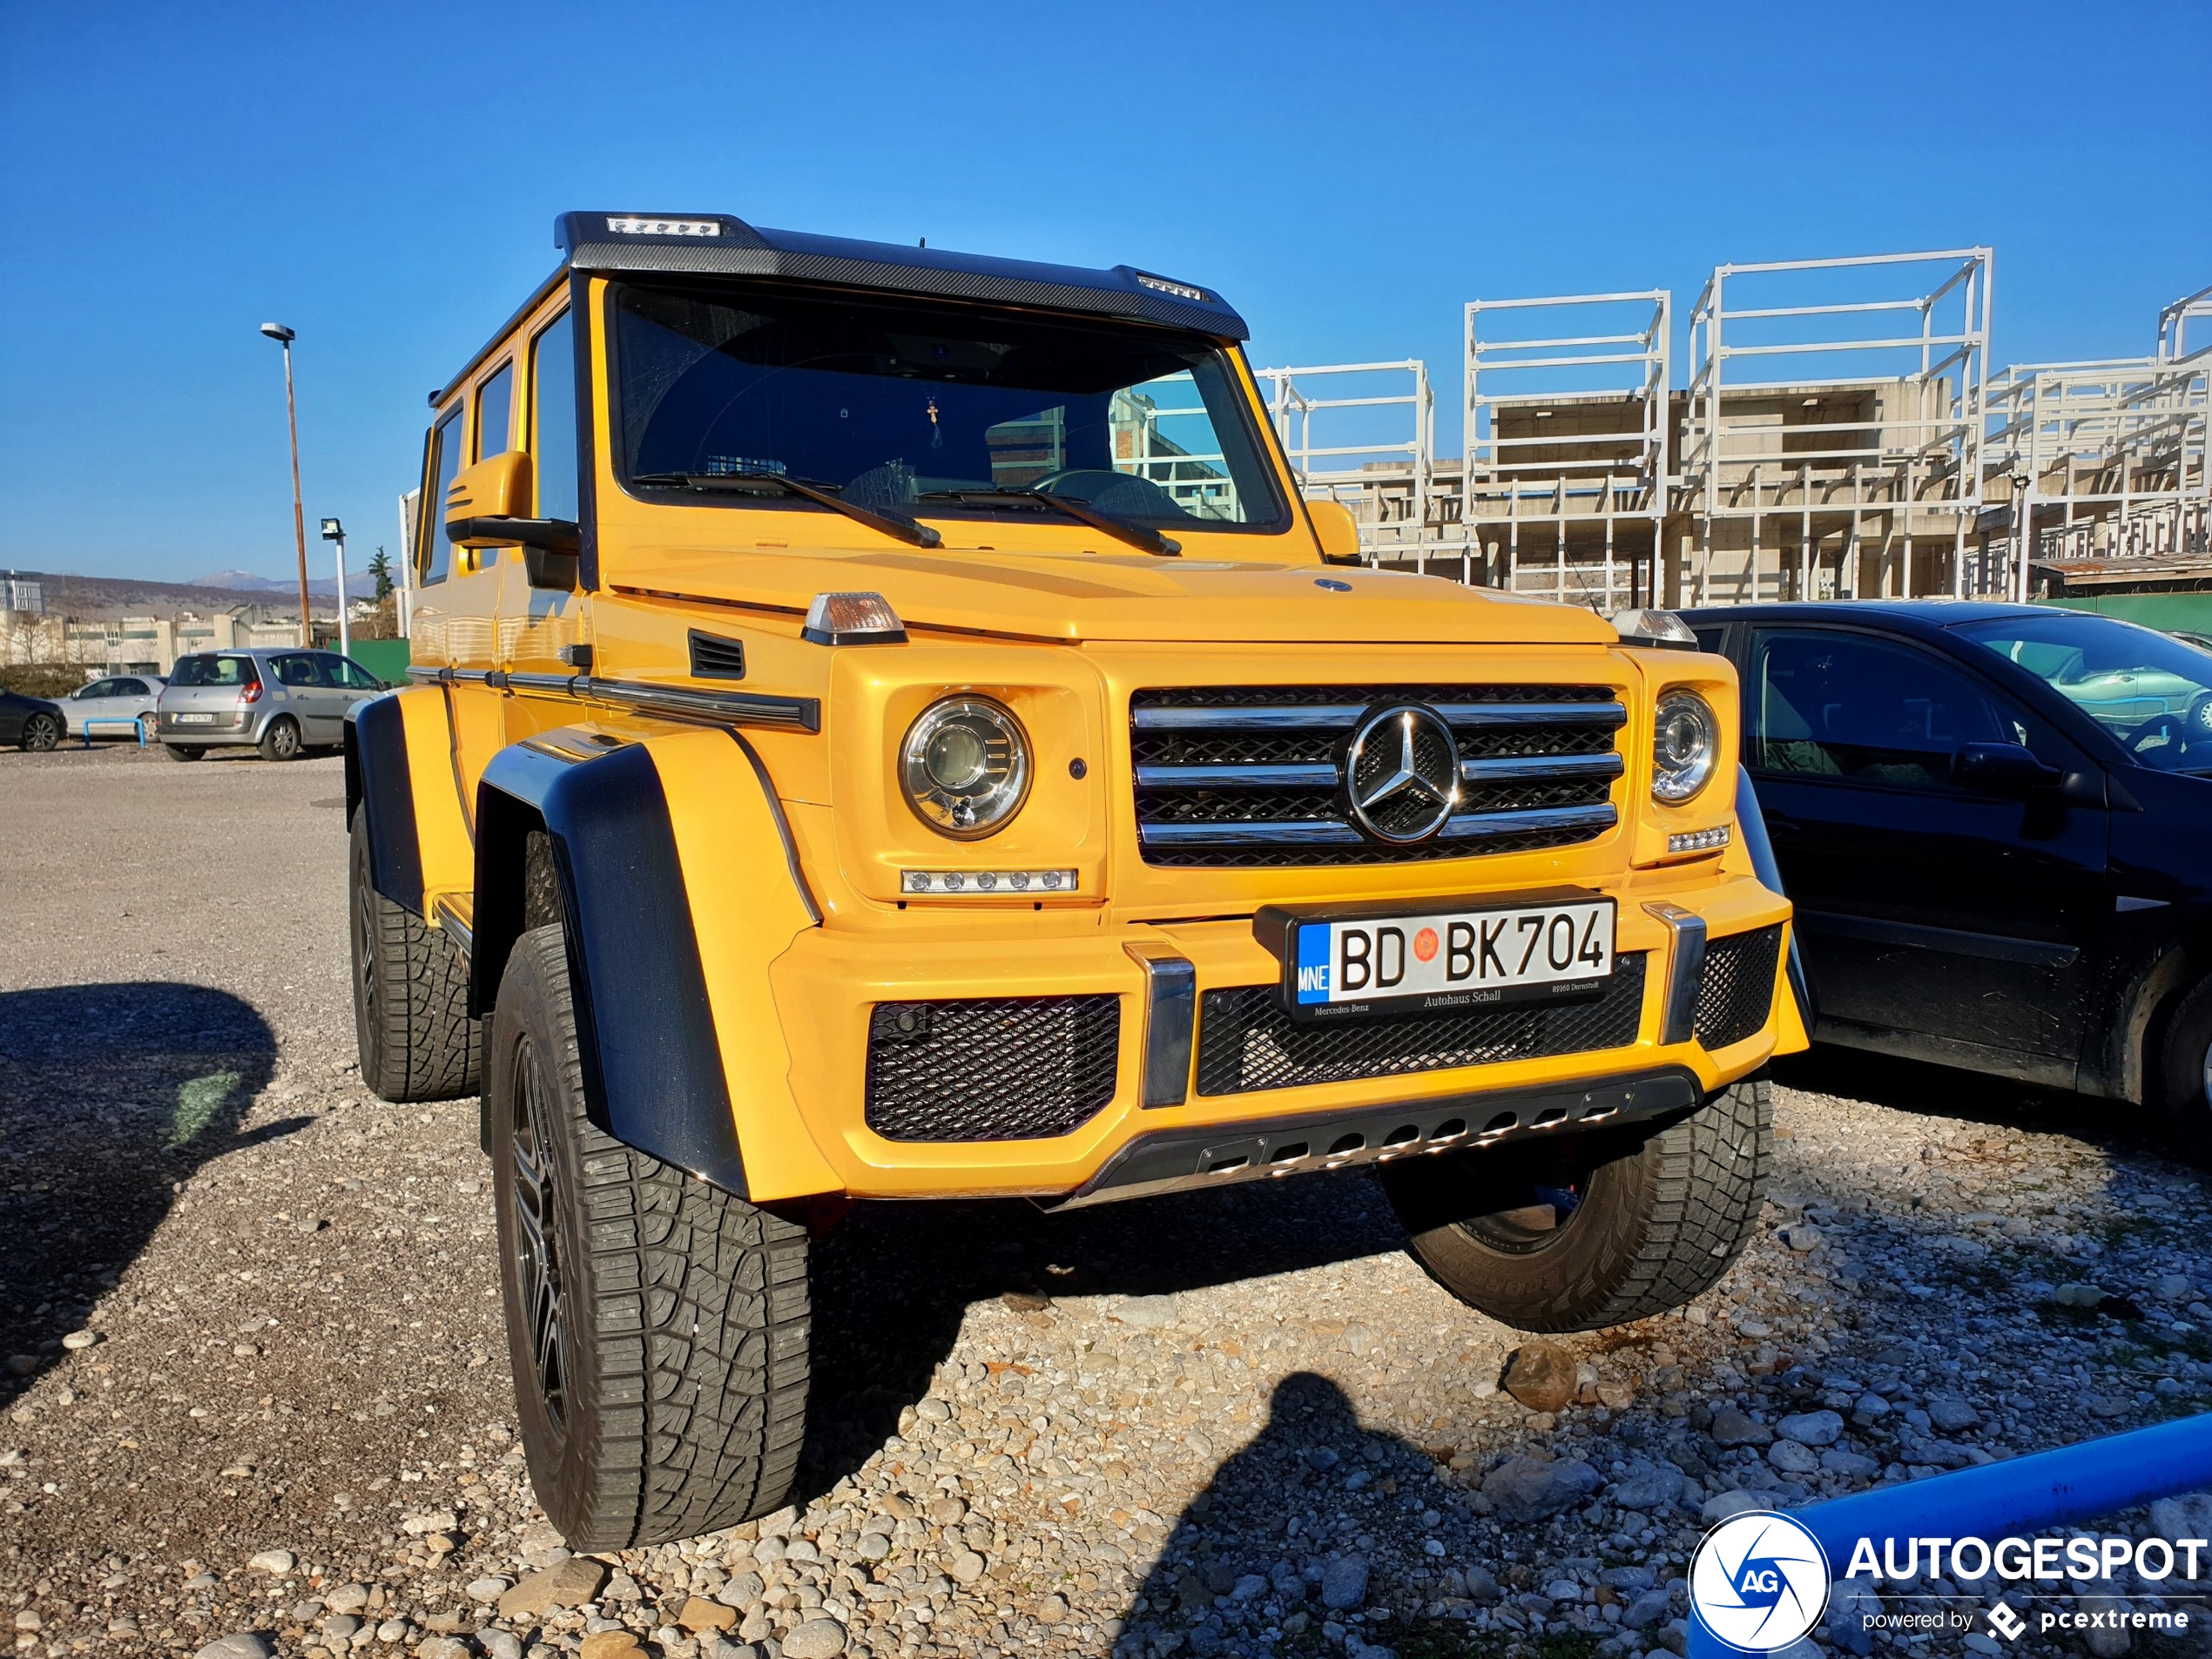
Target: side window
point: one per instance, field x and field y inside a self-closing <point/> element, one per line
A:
<point x="438" y="558"/>
<point x="98" y="688"/>
<point x="1848" y="707"/>
<point x="494" y="403"/>
<point x="351" y="675"/>
<point x="132" y="688"/>
<point x="552" y="445"/>
<point x="296" y="668"/>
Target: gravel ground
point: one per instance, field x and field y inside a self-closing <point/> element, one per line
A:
<point x="257" y="1389"/>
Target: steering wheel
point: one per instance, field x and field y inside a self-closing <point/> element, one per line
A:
<point x="1110" y="491"/>
<point x="2171" y="733"/>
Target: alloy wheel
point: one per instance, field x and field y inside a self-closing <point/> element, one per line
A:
<point x="538" y="1273"/>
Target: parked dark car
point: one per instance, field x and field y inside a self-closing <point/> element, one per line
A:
<point x="1995" y="821"/>
<point x="31" y="722"/>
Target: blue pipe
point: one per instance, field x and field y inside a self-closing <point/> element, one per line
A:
<point x="2015" y="1498"/>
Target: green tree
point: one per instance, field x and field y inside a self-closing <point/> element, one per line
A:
<point x="381" y="568"/>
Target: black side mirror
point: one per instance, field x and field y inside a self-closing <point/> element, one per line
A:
<point x="555" y="568"/>
<point x="2009" y="770"/>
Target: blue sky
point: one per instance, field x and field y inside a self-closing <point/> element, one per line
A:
<point x="384" y="178"/>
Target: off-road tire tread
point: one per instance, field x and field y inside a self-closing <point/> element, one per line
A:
<point x="418" y="1043"/>
<point x="690" y="1405"/>
<point x="1691" y="1203"/>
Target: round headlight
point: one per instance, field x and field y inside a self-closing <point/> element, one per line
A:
<point x="1685" y="744"/>
<point x="965" y="765"/>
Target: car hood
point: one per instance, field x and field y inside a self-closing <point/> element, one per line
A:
<point x="1136" y="598"/>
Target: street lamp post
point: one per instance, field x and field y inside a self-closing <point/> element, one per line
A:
<point x="332" y="531"/>
<point x="284" y="337"/>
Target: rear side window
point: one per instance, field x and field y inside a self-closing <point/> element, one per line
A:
<point x="494" y="401"/>
<point x="343" y="670"/>
<point x="215" y="671"/>
<point x="298" y="669"/>
<point x="553" y="419"/>
<point x="446" y="463"/>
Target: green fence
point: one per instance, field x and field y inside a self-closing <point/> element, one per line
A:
<point x="386" y="659"/>
<point x="2186" y="612"/>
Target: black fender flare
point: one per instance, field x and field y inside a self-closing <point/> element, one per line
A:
<point x="652" y="1065"/>
<point x="379" y="781"/>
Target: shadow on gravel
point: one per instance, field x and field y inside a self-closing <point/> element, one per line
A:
<point x="892" y="1282"/>
<point x="1234" y="1567"/>
<point x="110" y="1095"/>
<point x="1931" y="1090"/>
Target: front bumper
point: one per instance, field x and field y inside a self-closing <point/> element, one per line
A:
<point x="1643" y="1059"/>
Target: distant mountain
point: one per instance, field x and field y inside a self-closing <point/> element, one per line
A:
<point x="359" y="583"/>
<point x="95" y="598"/>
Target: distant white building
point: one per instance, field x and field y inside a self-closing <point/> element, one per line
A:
<point x="23" y="593"/>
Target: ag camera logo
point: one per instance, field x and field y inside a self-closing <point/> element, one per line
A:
<point x="1759" y="1581"/>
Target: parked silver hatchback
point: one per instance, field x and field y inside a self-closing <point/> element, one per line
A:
<point x="110" y="707"/>
<point x="281" y="702"/>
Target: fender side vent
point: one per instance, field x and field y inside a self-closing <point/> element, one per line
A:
<point x="716" y="658"/>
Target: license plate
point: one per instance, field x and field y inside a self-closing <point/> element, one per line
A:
<point x="1347" y="962"/>
<point x="193" y="719"/>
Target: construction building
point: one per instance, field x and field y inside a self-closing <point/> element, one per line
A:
<point x="1840" y="433"/>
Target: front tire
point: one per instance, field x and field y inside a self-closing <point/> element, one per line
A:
<point x="2185" y="1073"/>
<point x="280" y="739"/>
<point x="42" y="734"/>
<point x="657" y="1326"/>
<point x="411" y="1025"/>
<point x="1580" y="1235"/>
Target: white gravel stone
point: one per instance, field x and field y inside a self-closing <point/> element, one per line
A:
<point x="1812" y="1428"/>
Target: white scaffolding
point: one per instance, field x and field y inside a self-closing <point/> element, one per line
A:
<point x="2103" y="466"/>
<point x="1822" y="418"/>
<point x="1567" y="440"/>
<point x="1379" y="462"/>
<point x="2174" y="322"/>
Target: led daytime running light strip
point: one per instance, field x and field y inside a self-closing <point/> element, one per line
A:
<point x="987" y="883"/>
<point x="1703" y="840"/>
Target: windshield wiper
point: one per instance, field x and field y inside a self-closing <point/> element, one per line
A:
<point x="1136" y="535"/>
<point x="898" y="525"/>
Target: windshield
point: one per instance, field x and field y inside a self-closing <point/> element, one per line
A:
<point x="907" y="406"/>
<point x="214" y="671"/>
<point x="2150" y="691"/>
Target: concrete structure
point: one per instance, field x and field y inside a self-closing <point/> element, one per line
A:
<point x="1840" y="434"/>
<point x="139" y="644"/>
<point x="2102" y="482"/>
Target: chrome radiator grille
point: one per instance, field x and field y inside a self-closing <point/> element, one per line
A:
<point x="1252" y="775"/>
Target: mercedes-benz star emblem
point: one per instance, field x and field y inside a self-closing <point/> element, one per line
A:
<point x="1401" y="774"/>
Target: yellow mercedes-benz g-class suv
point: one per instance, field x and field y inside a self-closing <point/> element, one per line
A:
<point x="886" y="725"/>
